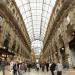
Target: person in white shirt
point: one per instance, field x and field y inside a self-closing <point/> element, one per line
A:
<point x="49" y="65"/>
<point x="11" y="66"/>
<point x="59" y="68"/>
<point x="37" y="65"/>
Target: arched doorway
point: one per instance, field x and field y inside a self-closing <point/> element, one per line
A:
<point x="72" y="47"/>
<point x="6" y="41"/>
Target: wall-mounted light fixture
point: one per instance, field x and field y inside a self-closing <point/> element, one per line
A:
<point x="62" y="50"/>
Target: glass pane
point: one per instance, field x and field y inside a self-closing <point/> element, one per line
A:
<point x="30" y="18"/>
<point x="38" y="18"/>
<point x="33" y="1"/>
<point x="33" y="5"/>
<point x="39" y="1"/>
<point x="52" y="2"/>
<point x="33" y="12"/>
<point x="22" y="9"/>
<point x="39" y="12"/>
<point x="24" y="16"/>
<point x="24" y="1"/>
<point x="39" y="5"/>
<point x="50" y="9"/>
<point x="34" y="18"/>
<point x="18" y="2"/>
<point x="44" y="14"/>
<point x="27" y="7"/>
<point x="47" y="1"/>
<point x="28" y="14"/>
<point x="45" y="7"/>
<point x="43" y="19"/>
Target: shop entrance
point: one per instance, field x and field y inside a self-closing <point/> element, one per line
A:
<point x="73" y="57"/>
<point x="72" y="47"/>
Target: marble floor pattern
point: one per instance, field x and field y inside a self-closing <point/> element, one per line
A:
<point x="33" y="72"/>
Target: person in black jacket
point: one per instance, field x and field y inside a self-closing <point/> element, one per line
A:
<point x="52" y="68"/>
<point x="47" y="66"/>
<point x="29" y="66"/>
<point x="43" y="66"/>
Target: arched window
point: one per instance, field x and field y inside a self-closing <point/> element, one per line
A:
<point x="6" y="43"/>
<point x="14" y="46"/>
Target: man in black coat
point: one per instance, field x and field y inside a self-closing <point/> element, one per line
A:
<point x="47" y="66"/>
<point x="52" y="68"/>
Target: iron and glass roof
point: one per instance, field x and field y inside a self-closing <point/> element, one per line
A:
<point x="36" y="15"/>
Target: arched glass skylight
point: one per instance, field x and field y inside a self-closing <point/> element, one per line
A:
<point x="37" y="45"/>
<point x="36" y="15"/>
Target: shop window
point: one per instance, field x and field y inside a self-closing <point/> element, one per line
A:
<point x="14" y="46"/>
<point x="0" y="29"/>
<point x="6" y="43"/>
<point x="18" y="49"/>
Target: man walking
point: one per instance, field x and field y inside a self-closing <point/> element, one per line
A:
<point x="47" y="66"/>
<point x="52" y="68"/>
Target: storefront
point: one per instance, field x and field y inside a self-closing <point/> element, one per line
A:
<point x="7" y="55"/>
<point x="62" y="51"/>
<point x="72" y="47"/>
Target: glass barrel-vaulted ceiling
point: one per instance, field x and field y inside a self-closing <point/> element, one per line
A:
<point x="36" y="15"/>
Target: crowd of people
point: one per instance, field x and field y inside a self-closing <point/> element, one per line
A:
<point x="3" y="63"/>
<point x="19" y="68"/>
<point x="52" y="67"/>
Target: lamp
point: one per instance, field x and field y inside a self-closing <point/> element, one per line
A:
<point x="62" y="48"/>
<point x="4" y="47"/>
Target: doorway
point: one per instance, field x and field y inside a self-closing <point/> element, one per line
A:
<point x="72" y="47"/>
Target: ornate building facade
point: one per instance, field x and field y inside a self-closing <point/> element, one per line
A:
<point x="13" y="34"/>
<point x="59" y="41"/>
